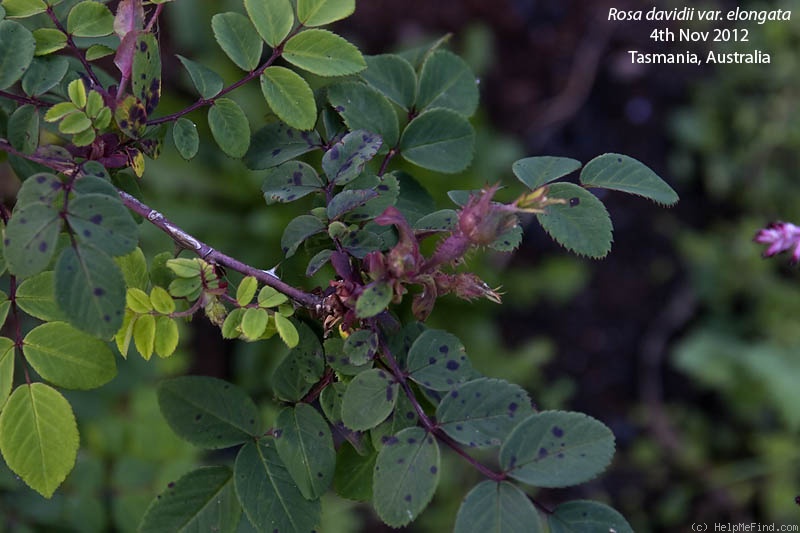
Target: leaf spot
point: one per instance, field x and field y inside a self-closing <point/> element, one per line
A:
<point x="558" y="432"/>
<point x="452" y="365"/>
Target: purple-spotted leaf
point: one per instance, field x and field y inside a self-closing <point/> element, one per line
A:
<point x="277" y="143"/>
<point x="361" y="346"/>
<point x="580" y="224"/>
<point x="302" y="367"/>
<point x="208" y="412"/>
<point x="298" y="230"/>
<point x="482" y="412"/>
<point x="376" y="296"/>
<point x="268" y="494"/>
<point x="305" y="445"/>
<point x="202" y="500"/>
<point x="404" y="416"/>
<point x="437" y="360"/>
<point x="557" y="449"/>
<point x="348" y="200"/>
<point x="406" y="476"/>
<point x="364" y="108"/>
<point x="31" y="237"/>
<point x="369" y="399"/>
<point x="104" y="222"/>
<point x="442" y="220"/>
<point x="131" y="116"/>
<point x="90" y="289"/>
<point x="69" y="358"/>
<point x="290" y="181"/>
<point x="583" y="516"/>
<point x="498" y="508"/>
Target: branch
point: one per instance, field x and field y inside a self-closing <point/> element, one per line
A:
<point x="24" y="99"/>
<point x="73" y="47"/>
<point x="204" y="251"/>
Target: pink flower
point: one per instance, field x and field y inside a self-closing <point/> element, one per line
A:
<point x="780" y="236"/>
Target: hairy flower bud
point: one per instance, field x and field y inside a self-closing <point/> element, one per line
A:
<point x="781" y="236"/>
<point x="483" y="221"/>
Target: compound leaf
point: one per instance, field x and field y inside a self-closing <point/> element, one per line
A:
<point x="437" y="360"/>
<point x="90" y="289"/>
<point x="69" y="358"/>
<point x="229" y="127"/>
<point x="583" y="516"/>
<point x="406" y="476"/>
<point x="439" y="139"/>
<point x="39" y="437"/>
<point x="323" y="53"/>
<point x="482" y="412"/>
<point x="557" y="449"/>
<point x="369" y="399"/>
<point x="289" y="97"/>
<point x="237" y="37"/>
<point x="493" y="507"/>
<point x="537" y="171"/>
<point x="268" y="494"/>
<point x="202" y="500"/>
<point x="626" y="174"/>
<point x="580" y="224"/>
<point x="305" y="445"/>
<point x="208" y="412"/>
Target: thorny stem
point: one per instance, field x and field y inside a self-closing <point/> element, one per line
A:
<point x="392" y="152"/>
<point x="327" y="378"/>
<point x="202" y="102"/>
<point x="429" y="424"/>
<point x="206" y="252"/>
<point x="59" y="165"/>
<point x="73" y="47"/>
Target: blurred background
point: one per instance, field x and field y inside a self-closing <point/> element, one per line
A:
<point x="683" y="340"/>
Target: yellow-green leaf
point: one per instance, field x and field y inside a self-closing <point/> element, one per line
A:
<point x="286" y="330"/>
<point x="323" y="53"/>
<point x="138" y="301"/>
<point x="161" y="300"/>
<point x="90" y="19"/>
<point x="289" y="97"/>
<point x="48" y="40"/>
<point x="167" y="336"/>
<point x="246" y="291"/>
<point x="144" y="335"/>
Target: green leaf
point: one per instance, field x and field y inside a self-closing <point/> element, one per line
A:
<point x="97" y="51"/>
<point x="361" y="346"/>
<point x="254" y="323"/>
<point x="273" y="19"/>
<point x="104" y="222"/>
<point x="90" y="19"/>
<point x="482" y="412"/>
<point x="48" y="40"/>
<point x="392" y="76"/>
<point x="90" y="289"/>
<point x="23" y="129"/>
<point x="404" y="416"/>
<point x="146" y="72"/>
<point x="23" y="8"/>
<point x="246" y="290"/>
<point x="134" y="269"/>
<point x="268" y="494"/>
<point x="580" y="224"/>
<point x="202" y="500"/>
<point x="6" y="368"/>
<point x="208" y="412"/>
<point x="439" y="139"/>
<point x="277" y="143"/>
<point x="353" y="476"/>
<point x="231" y="328"/>
<point x="437" y="360"/>
<point x="623" y="173"/>
<point x="364" y="108"/>
<point x="298" y="230"/>
<point x="375" y="298"/>
<point x="289" y="97"/>
<point x="318" y="261"/>
<point x="287" y="331"/>
<point x="323" y="53"/>
<point x="497" y="508"/>
<point x="167" y="336"/>
<point x="43" y="74"/>
<point x="321" y="12"/>
<point x="207" y="82"/>
<point x="305" y="445"/>
<point x="36" y="297"/>
<point x="40" y="188"/>
<point x="69" y="358"/>
<point x="443" y="220"/>
<point x="17" y="46"/>
<point x="31" y="237"/>
<point x="39" y="437"/>
<point x="369" y="399"/>
<point x="5" y="305"/>
<point x="557" y="449"/>
<point x="583" y="516"/>
<point x="290" y="181"/>
<point x="238" y="39"/>
<point x="185" y="137"/>
<point x="75" y="123"/>
<point x="229" y="127"/>
<point x="537" y="171"/>
<point x="406" y="476"/>
<point x="144" y="335"/>
<point x="447" y="81"/>
<point x="302" y="367"/>
<point x="346" y="159"/>
<point x="269" y="297"/>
